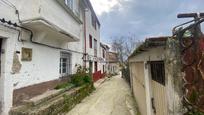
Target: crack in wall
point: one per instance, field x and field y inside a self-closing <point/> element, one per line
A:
<point x="16" y="67"/>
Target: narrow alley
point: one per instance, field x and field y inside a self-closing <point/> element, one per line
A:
<point x="113" y="97"/>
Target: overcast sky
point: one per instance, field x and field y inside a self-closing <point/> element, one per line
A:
<point x="142" y="18"/>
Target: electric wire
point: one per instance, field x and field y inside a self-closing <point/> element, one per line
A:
<point x="17" y="12"/>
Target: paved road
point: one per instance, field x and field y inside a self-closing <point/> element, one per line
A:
<point x="113" y="97"/>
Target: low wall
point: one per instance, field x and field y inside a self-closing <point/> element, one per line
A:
<point x="29" y="92"/>
<point x="76" y="97"/>
<point x="60" y="104"/>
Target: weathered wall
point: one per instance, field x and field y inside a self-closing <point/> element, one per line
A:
<point x="29" y="92"/>
<point x="173" y="78"/>
<point x="143" y="72"/>
<point x="44" y="66"/>
<point x="63" y="103"/>
<point x="6" y="84"/>
<point x="138" y="85"/>
<point x="159" y="93"/>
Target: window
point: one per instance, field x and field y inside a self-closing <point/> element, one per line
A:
<point x="158" y="71"/>
<point x="103" y="53"/>
<point x="90" y="41"/>
<point x="69" y="3"/>
<point x="93" y="21"/>
<point x="95" y="47"/>
<point x="65" y="64"/>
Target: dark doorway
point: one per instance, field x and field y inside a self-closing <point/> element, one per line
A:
<point x="96" y="66"/>
<point x="90" y="66"/>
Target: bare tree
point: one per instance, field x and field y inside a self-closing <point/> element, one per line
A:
<point x="124" y="46"/>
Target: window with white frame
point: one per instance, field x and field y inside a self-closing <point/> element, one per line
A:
<point x="65" y="63"/>
<point x="69" y="3"/>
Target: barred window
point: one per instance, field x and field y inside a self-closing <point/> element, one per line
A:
<point x="158" y="71"/>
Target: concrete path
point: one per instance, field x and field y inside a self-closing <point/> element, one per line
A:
<point x="112" y="97"/>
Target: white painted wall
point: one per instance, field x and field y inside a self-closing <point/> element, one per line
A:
<point x="6" y="83"/>
<point x="102" y="63"/>
<point x="10" y="37"/>
<point x="91" y="31"/>
<point x="45" y="61"/>
<point x="50" y="10"/>
<point x="95" y="33"/>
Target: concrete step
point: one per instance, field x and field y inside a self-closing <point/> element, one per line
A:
<point x="45" y="97"/>
<point x="54" y="104"/>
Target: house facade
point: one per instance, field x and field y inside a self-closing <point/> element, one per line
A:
<point x="41" y="42"/>
<point x="156" y="79"/>
<point x="104" y="49"/>
<point x="112" y="66"/>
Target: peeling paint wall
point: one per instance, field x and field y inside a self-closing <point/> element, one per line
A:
<point x="6" y="84"/>
<point x="173" y="75"/>
<point x="16" y="67"/>
<point x="174" y="78"/>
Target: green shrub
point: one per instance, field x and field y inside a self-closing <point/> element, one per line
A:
<point x="195" y="112"/>
<point x="81" y="77"/>
<point x="77" y="80"/>
<point x="63" y="85"/>
<point x="87" y="79"/>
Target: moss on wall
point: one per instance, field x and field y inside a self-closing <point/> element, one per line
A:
<point x="57" y="105"/>
<point x="174" y="77"/>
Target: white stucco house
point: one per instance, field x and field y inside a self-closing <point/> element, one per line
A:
<point x="104" y="49"/>
<point x="42" y="41"/>
<point x="112" y="66"/>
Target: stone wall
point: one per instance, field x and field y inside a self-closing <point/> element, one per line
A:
<point x="56" y="105"/>
<point x="29" y="92"/>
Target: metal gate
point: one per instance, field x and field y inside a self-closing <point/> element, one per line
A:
<point x="159" y="102"/>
